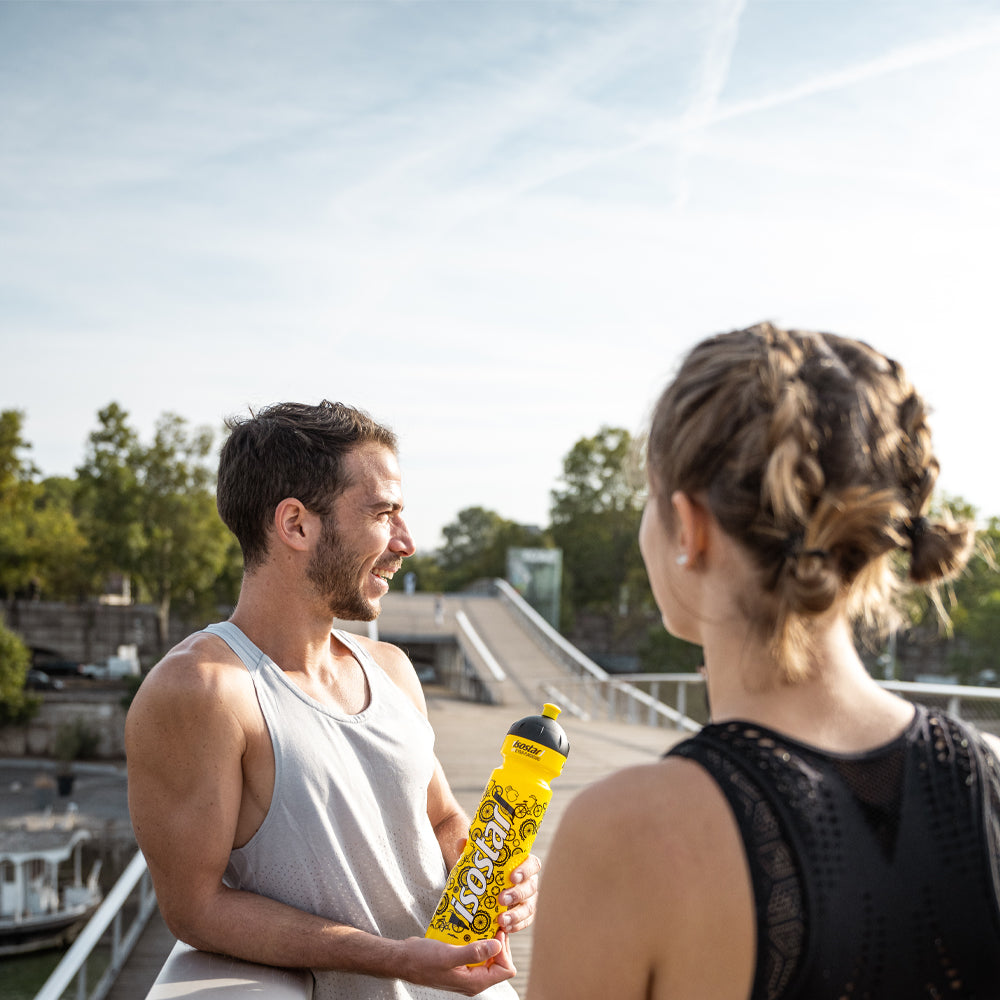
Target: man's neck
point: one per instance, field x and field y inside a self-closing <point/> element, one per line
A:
<point x="288" y="626"/>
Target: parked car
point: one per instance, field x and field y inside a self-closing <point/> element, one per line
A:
<point x="39" y="680"/>
<point x="54" y="665"/>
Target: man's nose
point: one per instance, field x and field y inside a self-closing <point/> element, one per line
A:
<point x="402" y="542"/>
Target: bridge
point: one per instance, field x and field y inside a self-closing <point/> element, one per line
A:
<point x="487" y="659"/>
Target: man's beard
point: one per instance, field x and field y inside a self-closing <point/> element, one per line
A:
<point x="332" y="577"/>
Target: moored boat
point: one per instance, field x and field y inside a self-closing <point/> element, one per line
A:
<point x="44" y="900"/>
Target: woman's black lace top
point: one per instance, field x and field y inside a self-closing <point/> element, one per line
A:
<point x="875" y="875"/>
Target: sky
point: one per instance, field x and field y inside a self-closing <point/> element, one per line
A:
<point x="496" y="226"/>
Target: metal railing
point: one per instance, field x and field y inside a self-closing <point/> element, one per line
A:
<point x="614" y="696"/>
<point x="978" y="705"/>
<point x="185" y="972"/>
<point x="678" y="699"/>
<point x="547" y="636"/>
<point x="132" y="892"/>
<point x="637" y="699"/>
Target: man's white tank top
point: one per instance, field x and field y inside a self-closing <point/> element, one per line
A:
<point x="347" y="834"/>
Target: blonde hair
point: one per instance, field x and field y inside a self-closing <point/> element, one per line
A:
<point x="813" y="452"/>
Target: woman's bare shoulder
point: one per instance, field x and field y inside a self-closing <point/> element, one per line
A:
<point x="669" y="796"/>
<point x="666" y="872"/>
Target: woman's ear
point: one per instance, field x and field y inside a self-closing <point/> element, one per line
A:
<point x="692" y="527"/>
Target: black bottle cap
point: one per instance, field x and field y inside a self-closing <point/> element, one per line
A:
<point x="543" y="730"/>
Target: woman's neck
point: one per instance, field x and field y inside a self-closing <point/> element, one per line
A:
<point x="838" y="706"/>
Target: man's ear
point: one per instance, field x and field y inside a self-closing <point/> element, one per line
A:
<point x="293" y="523"/>
<point x="692" y="526"/>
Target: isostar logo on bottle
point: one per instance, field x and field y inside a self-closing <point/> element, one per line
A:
<point x="490" y="849"/>
<point x="530" y="749"/>
<point x="468" y="907"/>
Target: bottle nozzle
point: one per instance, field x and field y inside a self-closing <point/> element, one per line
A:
<point x="543" y="729"/>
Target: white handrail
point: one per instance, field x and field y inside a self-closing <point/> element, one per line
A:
<point x="489" y="660"/>
<point x="958" y="696"/>
<point x="74" y="963"/>
<point x="589" y="673"/>
<point x="586" y="664"/>
<point x="191" y="973"/>
<point x="943" y="690"/>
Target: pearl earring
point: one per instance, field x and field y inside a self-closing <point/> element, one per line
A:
<point x="682" y="559"/>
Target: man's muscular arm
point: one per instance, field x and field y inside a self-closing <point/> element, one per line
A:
<point x="186" y="737"/>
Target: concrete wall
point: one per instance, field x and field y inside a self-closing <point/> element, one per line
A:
<point x="89" y="632"/>
<point x="101" y="711"/>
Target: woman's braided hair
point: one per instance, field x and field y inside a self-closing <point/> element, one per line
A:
<point x="813" y="451"/>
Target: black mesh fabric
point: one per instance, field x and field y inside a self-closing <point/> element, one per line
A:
<point x="875" y="875"/>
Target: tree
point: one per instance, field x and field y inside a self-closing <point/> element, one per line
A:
<point x="476" y="544"/>
<point x="186" y="545"/>
<point x="15" y="480"/>
<point x="58" y="547"/>
<point x="108" y="483"/>
<point x="426" y="568"/>
<point x="150" y="512"/>
<point x="595" y="521"/>
<point x="976" y="614"/>
<point x="41" y="545"/>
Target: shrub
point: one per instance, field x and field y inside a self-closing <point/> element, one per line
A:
<point x="16" y="705"/>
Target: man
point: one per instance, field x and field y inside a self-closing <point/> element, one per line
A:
<point x="282" y="780"/>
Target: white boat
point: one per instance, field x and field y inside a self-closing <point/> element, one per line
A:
<point x="44" y="900"/>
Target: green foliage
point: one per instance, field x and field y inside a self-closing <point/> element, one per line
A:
<point x="976" y="612"/>
<point x="220" y="598"/>
<point x="41" y="547"/>
<point x="595" y="521"/>
<point x="476" y="545"/>
<point x="662" y="652"/>
<point x="430" y="576"/>
<point x="149" y="512"/>
<point x="16" y="704"/>
<point x="108" y="491"/>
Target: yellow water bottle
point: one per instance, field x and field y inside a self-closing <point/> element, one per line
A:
<point x="503" y="829"/>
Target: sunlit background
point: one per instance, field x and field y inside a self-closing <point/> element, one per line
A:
<point x="494" y="225"/>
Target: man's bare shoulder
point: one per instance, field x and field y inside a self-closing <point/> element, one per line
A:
<point x="397" y="666"/>
<point x="202" y="666"/>
<point x="387" y="655"/>
<point x="198" y="703"/>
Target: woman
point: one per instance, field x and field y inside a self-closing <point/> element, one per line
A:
<point x="822" y="838"/>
